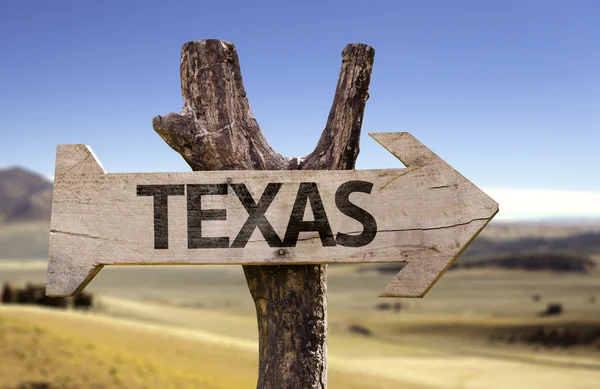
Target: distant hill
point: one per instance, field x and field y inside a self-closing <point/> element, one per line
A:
<point x="28" y="240"/>
<point x="25" y="208"/>
<point x="557" y="248"/>
<point x="25" y="196"/>
<point x="553" y="261"/>
<point x="587" y="243"/>
<point x="504" y="230"/>
<point x="538" y="261"/>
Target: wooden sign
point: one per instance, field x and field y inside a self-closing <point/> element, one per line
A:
<point x="425" y="215"/>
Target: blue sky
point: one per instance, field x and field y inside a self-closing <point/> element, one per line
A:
<point x="508" y="92"/>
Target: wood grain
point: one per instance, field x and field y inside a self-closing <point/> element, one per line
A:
<point x="425" y="214"/>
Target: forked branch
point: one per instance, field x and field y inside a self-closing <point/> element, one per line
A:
<point x="217" y="131"/>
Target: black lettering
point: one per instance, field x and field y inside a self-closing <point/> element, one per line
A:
<point x="343" y="203"/>
<point x="196" y="214"/>
<point x="161" y="209"/>
<point x="256" y="215"/>
<point x="308" y="191"/>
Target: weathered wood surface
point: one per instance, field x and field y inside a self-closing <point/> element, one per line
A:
<point x="424" y="214"/>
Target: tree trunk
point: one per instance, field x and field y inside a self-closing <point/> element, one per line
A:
<point x="217" y="131"/>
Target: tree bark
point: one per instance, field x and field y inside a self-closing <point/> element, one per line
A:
<point x="217" y="131"/>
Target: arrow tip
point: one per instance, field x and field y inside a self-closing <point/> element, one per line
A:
<point x="65" y="278"/>
<point x="76" y="159"/>
<point x="406" y="148"/>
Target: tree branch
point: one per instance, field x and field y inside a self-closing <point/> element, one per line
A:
<point x="217" y="131"/>
<point x="338" y="146"/>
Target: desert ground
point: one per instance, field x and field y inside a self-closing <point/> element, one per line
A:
<point x="195" y="327"/>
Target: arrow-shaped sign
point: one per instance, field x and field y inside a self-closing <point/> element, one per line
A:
<point x="424" y="215"/>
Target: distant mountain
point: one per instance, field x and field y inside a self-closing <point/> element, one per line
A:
<point x="27" y="240"/>
<point x="553" y="261"/>
<point x="25" y="196"/>
<point x="549" y="261"/>
<point x="551" y="228"/>
<point x="587" y="243"/>
<point x="25" y="208"/>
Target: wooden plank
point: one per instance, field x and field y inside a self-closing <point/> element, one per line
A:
<point x="425" y="215"/>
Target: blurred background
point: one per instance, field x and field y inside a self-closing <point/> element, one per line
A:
<point x="506" y="92"/>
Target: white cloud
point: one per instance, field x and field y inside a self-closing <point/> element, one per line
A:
<point x="536" y="204"/>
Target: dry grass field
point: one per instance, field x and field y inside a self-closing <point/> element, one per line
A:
<point x="194" y="327"/>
